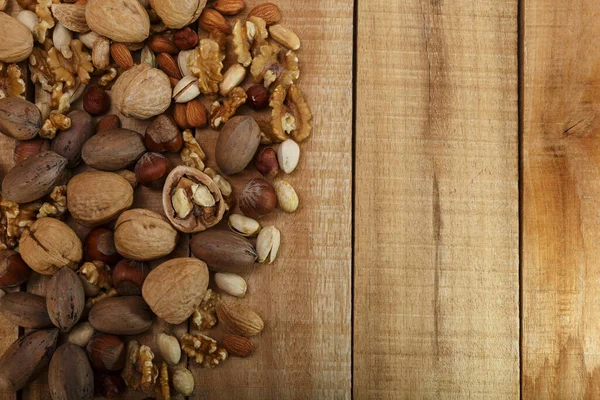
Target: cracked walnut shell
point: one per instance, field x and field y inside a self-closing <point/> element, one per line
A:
<point x="11" y="81"/>
<point x="290" y="114"/>
<point x="203" y="350"/>
<point x="206" y="64"/>
<point x="275" y="65"/>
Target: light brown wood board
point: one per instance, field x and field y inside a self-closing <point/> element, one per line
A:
<point x="436" y="271"/>
<point x="561" y="198"/>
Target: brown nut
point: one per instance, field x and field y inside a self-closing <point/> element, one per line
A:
<point x="167" y="63"/>
<point x="26" y="358"/>
<point x="144" y="235"/>
<point x="19" y="119"/>
<point x="163" y="135"/>
<point x="266" y="162"/>
<point x="238" y="318"/>
<point x="48" y="245"/>
<point x="195" y="114"/>
<point x="65" y="299"/>
<point x="152" y="169"/>
<point x="70" y="142"/>
<point x="110" y="385"/>
<point x="187" y="184"/>
<point x="175" y="288"/>
<point x="107" y="123"/>
<point x="237" y="144"/>
<point x="96" y="197"/>
<point x="229" y="7"/>
<point x="25" y="309"/>
<point x="180" y="115"/>
<point x="99" y="245"/>
<point x="128" y="276"/>
<point x="223" y="250"/>
<point x="238" y="346"/>
<point x="267" y="11"/>
<point x="81" y="334"/>
<point x="185" y="39"/>
<point x="258" y="97"/>
<point x="96" y="101"/>
<point x="27" y="148"/>
<point x="113" y="150"/>
<point x="258" y="198"/>
<point x="127" y="315"/>
<point x="13" y="270"/>
<point x="121" y="55"/>
<point x="70" y="375"/>
<point x="160" y="44"/>
<point x="107" y="352"/>
<point x="212" y="20"/>
<point x="34" y="177"/>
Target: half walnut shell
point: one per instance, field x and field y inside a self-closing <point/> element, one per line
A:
<point x="191" y="200"/>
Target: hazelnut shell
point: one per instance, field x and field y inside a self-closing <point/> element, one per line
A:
<point x="13" y="270"/>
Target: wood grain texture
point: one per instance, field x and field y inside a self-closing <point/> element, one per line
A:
<point x="436" y="223"/>
<point x="561" y="199"/>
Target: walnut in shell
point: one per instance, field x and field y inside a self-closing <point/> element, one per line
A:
<point x="191" y="200"/>
<point x="176" y="14"/>
<point x="123" y="21"/>
<point x="17" y="41"/>
<point x="142" y="92"/>
<point x="175" y="288"/>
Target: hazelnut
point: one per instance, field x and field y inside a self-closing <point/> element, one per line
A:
<point x="109" y="385"/>
<point x="266" y="162"/>
<point x="152" y="169"/>
<point x="195" y="114"/>
<point x="185" y="39"/>
<point x="258" y="97"/>
<point x="107" y="123"/>
<point x="160" y="44"/>
<point x="13" y="270"/>
<point x="81" y="334"/>
<point x="163" y="135"/>
<point x="96" y="101"/>
<point x="106" y="352"/>
<point x="128" y="276"/>
<point x="26" y="148"/>
<point x="99" y="245"/>
<point x="258" y="198"/>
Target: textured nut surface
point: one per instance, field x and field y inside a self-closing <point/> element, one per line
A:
<point x="124" y="21"/>
<point x="72" y="16"/>
<point x="258" y="198"/>
<point x="142" y="92"/>
<point x="178" y="13"/>
<point x="144" y="235"/>
<point x="267" y="244"/>
<point x="175" y="288"/>
<point x="169" y="349"/>
<point x="65" y="299"/>
<point x="25" y="309"/>
<point x="121" y="55"/>
<point x="285" y="36"/>
<point x="287" y="199"/>
<point x="238" y="318"/>
<point x="183" y="381"/>
<point x="81" y="334"/>
<point x="229" y="7"/>
<point x="96" y="197"/>
<point x="17" y="41"/>
<point x="27" y="148"/>
<point x="48" y="245"/>
<point x="19" y="119"/>
<point x="237" y="144"/>
<point x="70" y="374"/>
<point x="70" y="142"/>
<point x="232" y="78"/>
<point x="186" y="89"/>
<point x="223" y="251"/>
<point x="113" y="150"/>
<point x="267" y="11"/>
<point x="127" y="315"/>
<point x="212" y="20"/>
<point x="231" y="284"/>
<point x="238" y="346"/>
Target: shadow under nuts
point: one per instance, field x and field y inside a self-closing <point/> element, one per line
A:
<point x="223" y="250"/>
<point x="34" y="177"/>
<point x="65" y="299"/>
<point x="113" y="150"/>
<point x="25" y="309"/>
<point x="48" y="245"/>
<point x="70" y="375"/>
<point x="97" y="197"/>
<point x="70" y="142"/>
<point x="144" y="235"/>
<point x="175" y="288"/>
<point x="128" y="315"/>
<point x="26" y="358"/>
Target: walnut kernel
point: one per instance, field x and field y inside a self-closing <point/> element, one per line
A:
<point x="203" y="350"/>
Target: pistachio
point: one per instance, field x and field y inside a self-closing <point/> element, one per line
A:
<point x="287" y="199"/>
<point x="169" y="349"/>
<point x="183" y="381"/>
<point x="231" y="284"/>
<point x="148" y="57"/>
<point x="243" y="225"/>
<point x="288" y="155"/>
<point x="186" y="89"/>
<point x="267" y="244"/>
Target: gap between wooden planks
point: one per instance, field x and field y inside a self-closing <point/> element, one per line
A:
<point x="304" y="297"/>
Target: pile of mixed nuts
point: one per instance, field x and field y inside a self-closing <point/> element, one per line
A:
<point x="107" y="319"/>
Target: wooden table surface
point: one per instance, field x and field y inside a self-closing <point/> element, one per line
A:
<point x="447" y="241"/>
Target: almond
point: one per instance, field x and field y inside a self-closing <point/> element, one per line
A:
<point x="180" y="115"/>
<point x="237" y="345"/>
<point x="212" y="20"/>
<point x="195" y="114"/>
<point x="121" y="55"/>
<point x="166" y="62"/>
<point x="239" y="319"/>
<point x="174" y="81"/>
<point x="267" y="11"/>
<point x="229" y="7"/>
<point x="160" y="44"/>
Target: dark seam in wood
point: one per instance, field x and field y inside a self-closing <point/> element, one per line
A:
<point x="353" y="191"/>
<point x="520" y="113"/>
<point x="437" y="236"/>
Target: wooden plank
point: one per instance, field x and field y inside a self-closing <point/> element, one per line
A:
<point x="304" y="297"/>
<point x="561" y="199"/>
<point x="436" y="217"/>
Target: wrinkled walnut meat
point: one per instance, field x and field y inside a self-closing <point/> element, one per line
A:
<point x="139" y="373"/>
<point x="192" y="200"/>
<point x="290" y="114"/>
<point x="58" y="206"/>
<point x="222" y="112"/>
<point x="53" y="124"/>
<point x="163" y="390"/>
<point x="65" y="70"/>
<point x="260" y="35"/>
<point x="206" y="64"/>
<point x="97" y="282"/>
<point x="224" y="186"/>
<point x="243" y="35"/>
<point x="11" y="81"/>
<point x="46" y="21"/>
<point x="40" y="70"/>
<point x="192" y="154"/>
<point x="203" y="350"/>
<point x="275" y="65"/>
<point x="14" y="219"/>
<point x="205" y="316"/>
